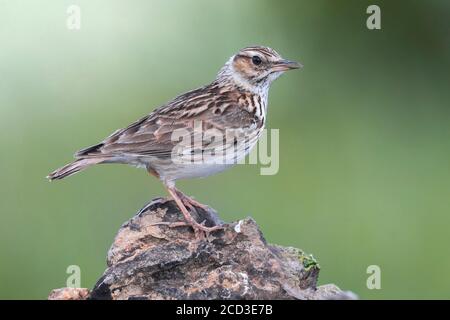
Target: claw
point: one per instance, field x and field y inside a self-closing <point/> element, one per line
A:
<point x="183" y="202"/>
<point x="189" y="201"/>
<point x="171" y="224"/>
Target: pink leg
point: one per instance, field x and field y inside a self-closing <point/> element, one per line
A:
<point x="189" y="201"/>
<point x="198" y="228"/>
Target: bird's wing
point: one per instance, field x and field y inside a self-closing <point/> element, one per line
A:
<point x="159" y="132"/>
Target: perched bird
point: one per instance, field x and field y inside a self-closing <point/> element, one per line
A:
<point x="171" y="143"/>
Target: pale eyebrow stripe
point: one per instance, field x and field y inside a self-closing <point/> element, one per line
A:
<point x="261" y="50"/>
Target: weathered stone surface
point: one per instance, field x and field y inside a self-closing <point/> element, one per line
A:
<point x="69" y="294"/>
<point x="150" y="260"/>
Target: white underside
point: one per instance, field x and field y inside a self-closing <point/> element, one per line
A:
<point x="169" y="171"/>
<point x="189" y="171"/>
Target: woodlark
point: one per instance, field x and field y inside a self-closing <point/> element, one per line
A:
<point x="199" y="133"/>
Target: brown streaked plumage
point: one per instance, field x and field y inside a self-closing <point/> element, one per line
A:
<point x="225" y="117"/>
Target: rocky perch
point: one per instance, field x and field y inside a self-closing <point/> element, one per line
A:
<point x="150" y="260"/>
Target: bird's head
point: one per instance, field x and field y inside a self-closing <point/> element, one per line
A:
<point x="255" y="68"/>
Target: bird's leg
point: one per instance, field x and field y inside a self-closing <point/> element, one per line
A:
<point x="198" y="227"/>
<point x="164" y="223"/>
<point x="178" y="197"/>
<point x="189" y="201"/>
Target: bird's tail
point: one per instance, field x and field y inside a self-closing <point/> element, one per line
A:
<point x="73" y="167"/>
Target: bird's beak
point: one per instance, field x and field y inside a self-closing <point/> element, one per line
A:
<point x="285" y="65"/>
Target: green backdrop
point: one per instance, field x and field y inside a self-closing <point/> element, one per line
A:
<point x="364" y="173"/>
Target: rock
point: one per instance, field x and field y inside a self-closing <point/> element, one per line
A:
<point x="69" y="294"/>
<point x="150" y="260"/>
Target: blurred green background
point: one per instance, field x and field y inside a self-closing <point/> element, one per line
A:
<point x="364" y="133"/>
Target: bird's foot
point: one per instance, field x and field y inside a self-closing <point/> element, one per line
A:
<point x="189" y="201"/>
<point x="195" y="225"/>
<point x="171" y="224"/>
<point x="186" y="204"/>
<point x="201" y="231"/>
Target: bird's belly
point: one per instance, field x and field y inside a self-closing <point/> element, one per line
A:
<point x="201" y="164"/>
<point x="175" y="170"/>
<point x="194" y="170"/>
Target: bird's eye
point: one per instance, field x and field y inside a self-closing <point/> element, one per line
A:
<point x="256" y="60"/>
